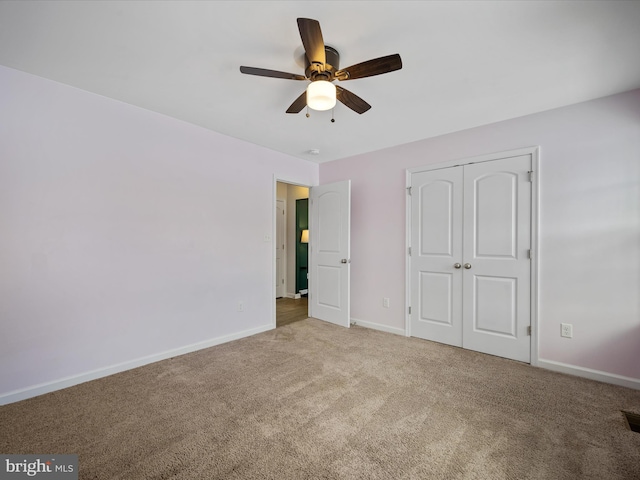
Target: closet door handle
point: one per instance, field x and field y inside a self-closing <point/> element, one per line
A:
<point x="467" y="266"/>
<point x="456" y="265"/>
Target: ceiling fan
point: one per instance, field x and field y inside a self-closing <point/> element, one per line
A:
<point x="322" y="68"/>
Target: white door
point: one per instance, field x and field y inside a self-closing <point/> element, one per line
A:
<point x="330" y="210"/>
<point x="280" y="252"/>
<point x="496" y="266"/>
<point x="470" y="266"/>
<point x="436" y="246"/>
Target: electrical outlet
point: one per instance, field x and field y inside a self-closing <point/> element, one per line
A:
<point x="385" y="302"/>
<point x="241" y="306"/>
<point x="566" y="330"/>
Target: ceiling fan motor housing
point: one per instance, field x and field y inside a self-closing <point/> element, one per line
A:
<point x="323" y="72"/>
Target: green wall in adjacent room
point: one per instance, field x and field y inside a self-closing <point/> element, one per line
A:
<point x="302" y="249"/>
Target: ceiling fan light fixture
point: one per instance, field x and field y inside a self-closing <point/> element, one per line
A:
<point x="321" y="95"/>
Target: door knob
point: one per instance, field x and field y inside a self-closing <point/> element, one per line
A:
<point x="467" y="266"/>
<point x="456" y="265"/>
<point x="344" y="260"/>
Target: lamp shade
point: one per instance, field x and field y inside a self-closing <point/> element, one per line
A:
<point x="305" y="236"/>
<point x="321" y="95"/>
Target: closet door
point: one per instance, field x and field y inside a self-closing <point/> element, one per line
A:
<point x="436" y="253"/>
<point x="470" y="268"/>
<point x="497" y="269"/>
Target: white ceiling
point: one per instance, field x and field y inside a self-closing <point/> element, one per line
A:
<point x="465" y="63"/>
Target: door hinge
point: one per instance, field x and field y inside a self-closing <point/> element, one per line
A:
<point x="529" y="330"/>
<point x="529" y="255"/>
<point x="409" y="251"/>
<point x="409" y="310"/>
<point x="530" y="172"/>
<point x="409" y="190"/>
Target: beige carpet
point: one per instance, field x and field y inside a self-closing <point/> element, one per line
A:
<point x="315" y="401"/>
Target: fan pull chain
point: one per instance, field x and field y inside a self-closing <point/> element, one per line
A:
<point x="308" y="115"/>
<point x="333" y="120"/>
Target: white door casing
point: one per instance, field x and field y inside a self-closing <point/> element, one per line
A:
<point x="280" y="248"/>
<point x="469" y="270"/>
<point x="329" y="285"/>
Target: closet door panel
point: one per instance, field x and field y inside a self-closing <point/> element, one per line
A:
<point x="497" y="238"/>
<point x="436" y="206"/>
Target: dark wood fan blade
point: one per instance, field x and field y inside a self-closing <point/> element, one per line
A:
<point x="312" y="41"/>
<point x="370" y="68"/>
<point x="263" y="72"/>
<point x="351" y="100"/>
<point x="298" y="104"/>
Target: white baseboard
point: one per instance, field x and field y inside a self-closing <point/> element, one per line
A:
<point x="378" y="326"/>
<point x="597" y="375"/>
<point x="590" y="374"/>
<point x="35" y="390"/>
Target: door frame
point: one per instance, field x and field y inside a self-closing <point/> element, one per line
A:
<point x="535" y="203"/>
<point x="278" y="179"/>
<point x="284" y="246"/>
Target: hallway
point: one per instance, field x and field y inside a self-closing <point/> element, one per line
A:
<point x="289" y="310"/>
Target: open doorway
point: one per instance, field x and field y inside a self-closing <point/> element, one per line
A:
<point x="291" y="254"/>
